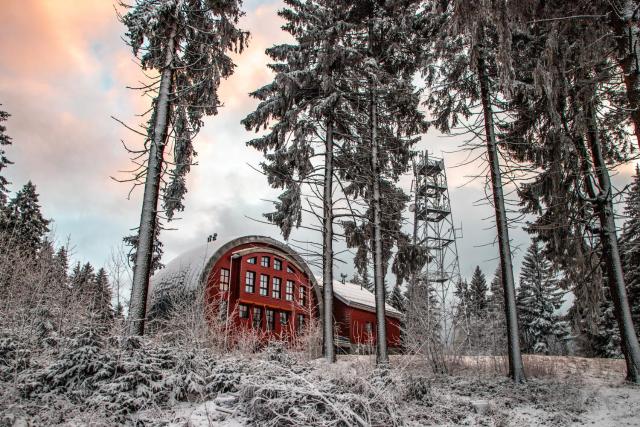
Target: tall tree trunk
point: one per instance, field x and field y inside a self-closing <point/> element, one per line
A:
<point x="146" y="232"/>
<point x="626" y="27"/>
<point x="516" y="369"/>
<point x="327" y="246"/>
<point x="609" y="239"/>
<point x="382" y="358"/>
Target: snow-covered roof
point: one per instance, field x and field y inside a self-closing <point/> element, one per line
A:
<point x="356" y="296"/>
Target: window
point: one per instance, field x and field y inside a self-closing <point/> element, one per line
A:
<point x="290" y="270"/>
<point x="250" y="282"/>
<point x="302" y="295"/>
<point x="289" y="294"/>
<point x="265" y="261"/>
<point x="277" y="264"/>
<point x="271" y="324"/>
<point x="257" y="317"/>
<point x="275" y="292"/>
<point x="252" y="260"/>
<point x="264" y="285"/>
<point x="243" y="311"/>
<point x="300" y="321"/>
<point x="284" y="317"/>
<point x="224" y="279"/>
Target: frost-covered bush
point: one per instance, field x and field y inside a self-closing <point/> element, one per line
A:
<point x="291" y="396"/>
<point x="124" y="375"/>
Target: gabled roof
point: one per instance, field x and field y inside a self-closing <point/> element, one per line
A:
<point x="356" y="296"/>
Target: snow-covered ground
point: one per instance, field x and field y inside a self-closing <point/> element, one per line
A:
<point x="102" y="382"/>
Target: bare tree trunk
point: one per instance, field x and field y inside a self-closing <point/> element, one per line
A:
<point x="327" y="246"/>
<point x="626" y="27"/>
<point x="382" y="357"/>
<point x="516" y="368"/>
<point x="146" y="232"/>
<point x="608" y="236"/>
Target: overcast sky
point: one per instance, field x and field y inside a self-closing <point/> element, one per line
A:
<point x="63" y="73"/>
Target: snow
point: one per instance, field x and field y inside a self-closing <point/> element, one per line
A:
<point x="357" y="296"/>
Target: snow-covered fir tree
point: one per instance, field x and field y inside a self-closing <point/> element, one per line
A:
<point x="187" y="42"/>
<point x="630" y="247"/>
<point x="539" y="298"/>
<point x="24" y="221"/>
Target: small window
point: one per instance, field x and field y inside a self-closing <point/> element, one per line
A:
<point x="265" y="261"/>
<point x="284" y="317"/>
<point x="289" y="291"/>
<point x="275" y="291"/>
<point x="290" y="270"/>
<point x="302" y="295"/>
<point x="271" y="324"/>
<point x="257" y="317"/>
<point x="224" y="279"/>
<point x="250" y="282"/>
<point x="264" y="285"/>
<point x="243" y="311"/>
<point x="277" y="264"/>
<point x="300" y="321"/>
<point x="252" y="260"/>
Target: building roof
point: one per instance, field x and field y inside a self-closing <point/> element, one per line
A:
<point x="356" y="296"/>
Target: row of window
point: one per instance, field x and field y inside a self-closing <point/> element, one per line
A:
<point x="276" y="284"/>
<point x="265" y="261"/>
<point x="269" y="318"/>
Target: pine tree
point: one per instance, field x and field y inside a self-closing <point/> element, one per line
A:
<point x="186" y="43"/>
<point x="25" y="222"/>
<point x="630" y="248"/>
<point x="4" y="161"/>
<point x="539" y="298"/>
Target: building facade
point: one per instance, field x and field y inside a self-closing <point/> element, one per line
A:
<point x="258" y="283"/>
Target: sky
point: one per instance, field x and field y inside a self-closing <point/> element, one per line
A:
<point x="64" y="72"/>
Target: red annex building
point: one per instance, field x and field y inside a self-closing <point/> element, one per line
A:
<point x="257" y="282"/>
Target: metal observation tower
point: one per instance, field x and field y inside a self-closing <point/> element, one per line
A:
<point x="434" y="230"/>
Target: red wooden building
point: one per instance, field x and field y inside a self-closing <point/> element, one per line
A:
<point x="257" y="282"/>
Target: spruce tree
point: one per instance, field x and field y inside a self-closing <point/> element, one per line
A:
<point x="630" y="248"/>
<point x="101" y="298"/>
<point x="495" y="314"/>
<point x="187" y="43"/>
<point x="463" y="71"/>
<point x="397" y="299"/>
<point x="4" y="161"/>
<point x="25" y="222"/>
<point x="478" y="293"/>
<point x="539" y="298"/>
<point x="565" y="127"/>
<point x="308" y="110"/>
